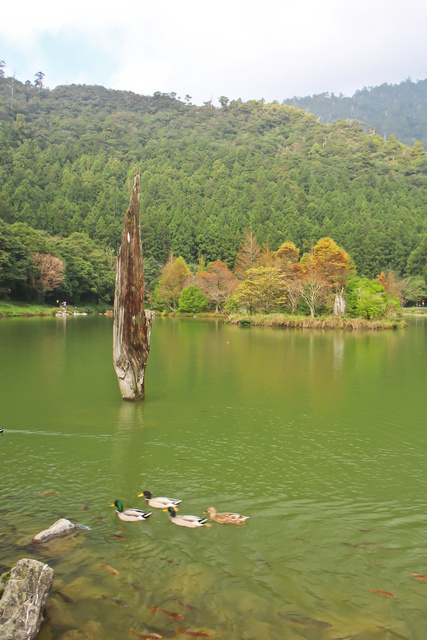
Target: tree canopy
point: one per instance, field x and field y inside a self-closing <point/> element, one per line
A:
<point x="210" y="178"/>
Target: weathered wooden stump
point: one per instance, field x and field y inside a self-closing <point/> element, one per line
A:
<point x="132" y="327"/>
<point x="23" y="600"/>
<point x="61" y="527"/>
<point x="339" y="304"/>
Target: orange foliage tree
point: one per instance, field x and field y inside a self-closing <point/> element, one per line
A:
<point x="332" y="263"/>
<point x="217" y="283"/>
<point x="50" y="273"/>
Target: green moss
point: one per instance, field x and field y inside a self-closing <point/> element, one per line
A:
<point x="5" y="577"/>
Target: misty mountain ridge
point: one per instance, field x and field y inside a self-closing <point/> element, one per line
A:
<point x="389" y="109"/>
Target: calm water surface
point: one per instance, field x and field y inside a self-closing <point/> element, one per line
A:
<point x="318" y="436"/>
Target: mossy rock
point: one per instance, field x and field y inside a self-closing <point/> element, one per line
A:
<point x="24" y="598"/>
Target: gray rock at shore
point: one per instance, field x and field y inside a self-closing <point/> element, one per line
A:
<point x="24" y="599"/>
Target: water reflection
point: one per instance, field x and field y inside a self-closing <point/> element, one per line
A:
<point x="317" y="436"/>
<point x="338" y="347"/>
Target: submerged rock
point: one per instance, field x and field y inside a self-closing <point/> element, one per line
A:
<point x="24" y="599"/>
<point x="90" y="631"/>
<point x="61" y="527"/>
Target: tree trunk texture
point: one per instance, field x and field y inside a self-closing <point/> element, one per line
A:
<point x="339" y="305"/>
<point x="132" y="327"/>
<point x="24" y="599"/>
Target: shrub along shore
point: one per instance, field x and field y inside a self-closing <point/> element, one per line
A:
<point x="307" y="322"/>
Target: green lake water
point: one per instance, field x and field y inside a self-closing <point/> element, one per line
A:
<point x="318" y="436"/>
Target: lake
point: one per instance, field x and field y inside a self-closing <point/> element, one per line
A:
<point x="318" y="436"/>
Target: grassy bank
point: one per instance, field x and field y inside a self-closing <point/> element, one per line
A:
<point x="415" y="311"/>
<point x="182" y="314"/>
<point x="307" y="322"/>
<point x="25" y="309"/>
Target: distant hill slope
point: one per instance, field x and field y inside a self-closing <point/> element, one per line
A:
<point x="207" y="175"/>
<point x="391" y="109"/>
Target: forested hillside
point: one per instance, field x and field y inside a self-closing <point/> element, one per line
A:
<point x="390" y="109"/>
<point x="207" y="175"/>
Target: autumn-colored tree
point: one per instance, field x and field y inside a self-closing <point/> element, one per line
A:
<point x="263" y="290"/>
<point x="333" y="263"/>
<point x="394" y="286"/>
<point x="266" y="256"/>
<point x="217" y="283"/>
<point x="248" y="256"/>
<point x="333" y="266"/>
<point x="50" y="273"/>
<point x="286" y="259"/>
<point x="381" y="277"/>
<point x="175" y="276"/>
<point x="287" y="253"/>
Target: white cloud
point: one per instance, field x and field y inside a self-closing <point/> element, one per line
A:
<point x="242" y="49"/>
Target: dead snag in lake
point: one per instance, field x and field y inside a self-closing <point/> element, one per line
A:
<point x="132" y="326"/>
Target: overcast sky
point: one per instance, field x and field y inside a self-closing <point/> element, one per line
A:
<point x="271" y="49"/>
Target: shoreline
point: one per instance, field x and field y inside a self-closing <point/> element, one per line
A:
<point x="307" y="322"/>
<point x="23" y="310"/>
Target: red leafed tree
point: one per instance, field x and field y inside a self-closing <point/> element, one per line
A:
<point x="217" y="283"/>
<point x="50" y="272"/>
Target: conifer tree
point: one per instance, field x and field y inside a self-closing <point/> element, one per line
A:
<point x="248" y="255"/>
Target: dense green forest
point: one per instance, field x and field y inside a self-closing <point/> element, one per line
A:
<point x="207" y="175"/>
<point x="390" y="109"/>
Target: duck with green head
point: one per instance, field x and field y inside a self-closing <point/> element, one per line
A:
<point x="130" y="515"/>
<point x="160" y="502"/>
<point x="192" y="522"/>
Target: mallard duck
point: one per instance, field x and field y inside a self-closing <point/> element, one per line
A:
<point x="130" y="515"/>
<point x="186" y="521"/>
<point x="158" y="503"/>
<point x="226" y="518"/>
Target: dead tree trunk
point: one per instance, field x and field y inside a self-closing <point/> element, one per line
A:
<point x="339" y="304"/>
<point x="132" y="328"/>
